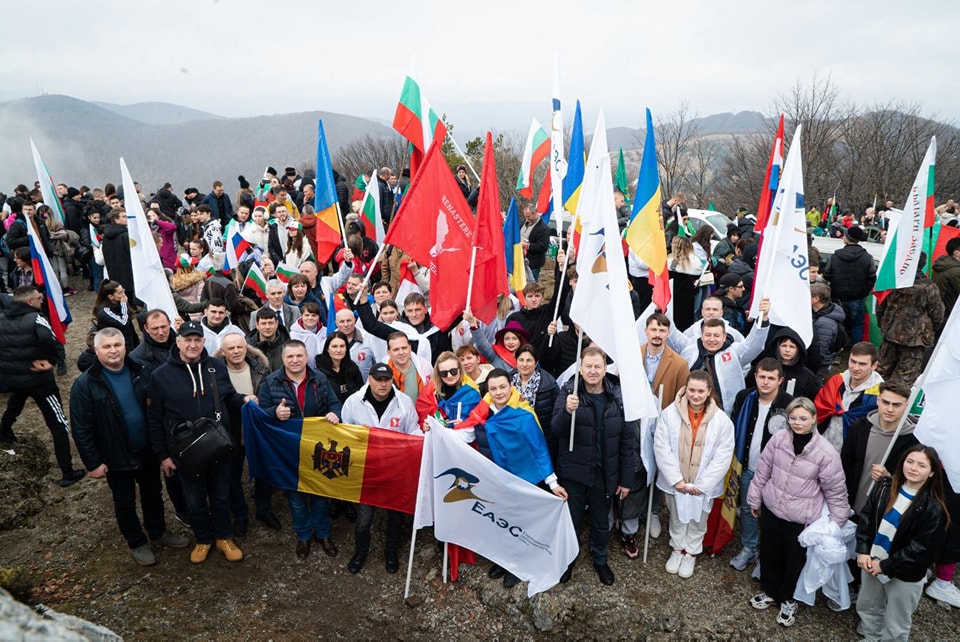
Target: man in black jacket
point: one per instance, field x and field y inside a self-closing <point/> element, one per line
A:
<point x="108" y="413"/>
<point x="116" y="251"/>
<point x="191" y="385"/>
<point x="27" y="354"/>
<point x="852" y="274"/>
<point x="604" y="453"/>
<point x="535" y="240"/>
<point x="386" y="196"/>
<point x="17" y="232"/>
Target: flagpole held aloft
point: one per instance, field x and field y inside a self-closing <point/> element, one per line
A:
<point x="466" y="159"/>
<point x="556" y="304"/>
<point x="366" y="277"/>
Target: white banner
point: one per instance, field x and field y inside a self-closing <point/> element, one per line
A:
<point x="472" y="502"/>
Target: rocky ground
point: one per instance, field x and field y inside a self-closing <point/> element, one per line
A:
<point x="62" y="548"/>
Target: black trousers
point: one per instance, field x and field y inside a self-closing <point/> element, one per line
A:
<point x="595" y="496"/>
<point x="47" y="396"/>
<point x="781" y="556"/>
<point x="123" y="485"/>
<point x="361" y="530"/>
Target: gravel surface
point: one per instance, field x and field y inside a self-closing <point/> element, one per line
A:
<point x="73" y="556"/>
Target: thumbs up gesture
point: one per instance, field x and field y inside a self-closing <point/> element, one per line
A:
<point x="283" y="412"/>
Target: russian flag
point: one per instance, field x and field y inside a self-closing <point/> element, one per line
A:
<point x="236" y="246"/>
<point x="43" y="275"/>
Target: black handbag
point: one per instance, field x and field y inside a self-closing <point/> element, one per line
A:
<point x="200" y="443"/>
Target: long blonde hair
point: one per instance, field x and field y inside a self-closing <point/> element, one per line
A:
<point x="682" y="251"/>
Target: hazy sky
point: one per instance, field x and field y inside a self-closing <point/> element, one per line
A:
<point x="243" y="58"/>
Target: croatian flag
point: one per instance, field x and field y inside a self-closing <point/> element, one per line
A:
<point x="43" y="275"/>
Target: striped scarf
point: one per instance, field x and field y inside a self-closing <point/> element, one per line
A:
<point x="888" y="525"/>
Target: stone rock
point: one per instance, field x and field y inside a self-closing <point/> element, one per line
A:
<point x="19" y="622"/>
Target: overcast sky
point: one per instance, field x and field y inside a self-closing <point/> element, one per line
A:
<point x="244" y="58"/>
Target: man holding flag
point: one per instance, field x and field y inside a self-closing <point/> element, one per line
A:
<point x="27" y="356"/>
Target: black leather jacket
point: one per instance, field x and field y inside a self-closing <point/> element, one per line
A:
<point x="919" y="537"/>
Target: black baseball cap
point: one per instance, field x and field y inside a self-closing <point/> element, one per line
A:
<point x="190" y="328"/>
<point x="381" y="371"/>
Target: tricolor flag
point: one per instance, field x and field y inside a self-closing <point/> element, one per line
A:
<point x="45" y="277"/>
<point x="536" y="149"/>
<point x="47" y="187"/>
<point x="901" y="253"/>
<point x="284" y="272"/>
<point x="256" y="281"/>
<point x="471" y="501"/>
<point x="414" y="118"/>
<point x="645" y="231"/>
<point x="601" y="302"/>
<point x="370" y="210"/>
<point x="573" y="181"/>
<point x="237" y="246"/>
<point x="782" y="267"/>
<point x="149" y="279"/>
<point x="325" y="203"/>
<point x="514" y="250"/>
<point x="408" y="284"/>
<point x="772" y="179"/>
<point x="620" y="178"/>
<point x="366" y="465"/>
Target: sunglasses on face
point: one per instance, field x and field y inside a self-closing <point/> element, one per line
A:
<point x="450" y="373"/>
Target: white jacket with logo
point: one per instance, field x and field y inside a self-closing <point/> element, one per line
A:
<point x="400" y="415"/>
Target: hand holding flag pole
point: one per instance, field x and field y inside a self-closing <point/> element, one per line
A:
<point x="562" y="264"/>
<point x="576" y="386"/>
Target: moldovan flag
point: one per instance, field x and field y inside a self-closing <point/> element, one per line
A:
<point x="256" y="281"/>
<point x="601" y="302"/>
<point x="489" y="272"/>
<point x="782" y="267"/>
<point x="937" y="424"/>
<point x="536" y="149"/>
<point x="901" y="254"/>
<point x="360" y="464"/>
<point x="325" y="202"/>
<point x="47" y="187"/>
<point x="645" y="231"/>
<point x="435" y="204"/>
<point x="149" y="280"/>
<point x="43" y="275"/>
<point x="573" y="180"/>
<point x="513" y="249"/>
<point x="370" y="210"/>
<point x="472" y="502"/>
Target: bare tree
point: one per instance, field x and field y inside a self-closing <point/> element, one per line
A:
<point x="370" y="152"/>
<point x="675" y="133"/>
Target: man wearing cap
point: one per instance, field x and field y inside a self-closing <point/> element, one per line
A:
<point x="379" y="403"/>
<point x="297" y="390"/>
<point x="191" y="385"/>
<point x="731" y="292"/>
<point x="851" y="274"/>
<point x="108" y="415"/>
<point x="192" y="197"/>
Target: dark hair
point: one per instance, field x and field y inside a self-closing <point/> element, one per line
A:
<point x="414" y="298"/>
<point x="865" y="349"/>
<point x="933" y="485"/>
<point x="389" y="303"/>
<point x="770" y="365"/>
<point x="152" y="314"/>
<point x="107" y="287"/>
<point x="703" y="237"/>
<point x="700" y="375"/>
<point x="467" y="349"/>
<point x="294" y="343"/>
<point x="953" y="245"/>
<point x="896" y="387"/>
<point x="24" y="292"/>
<point x="266" y="312"/>
<point x="659" y="318"/>
<point x="311" y="307"/>
<point x="324" y="360"/>
<point x="396" y="335"/>
<point x="714" y="323"/>
<point x="527" y="348"/>
<point x="215" y="302"/>
<point x="498" y="372"/>
<point x="381" y="284"/>
<point x="23" y="253"/>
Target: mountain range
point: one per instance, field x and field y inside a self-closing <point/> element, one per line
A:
<point x="81" y="141"/>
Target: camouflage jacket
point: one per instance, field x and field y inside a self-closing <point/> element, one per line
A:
<point x="912" y="316"/>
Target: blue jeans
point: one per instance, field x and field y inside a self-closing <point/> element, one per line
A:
<point x="749" y="525"/>
<point x="311" y="515"/>
<point x="96" y="275"/>
<point x="854" y="321"/>
<point x="208" y="502"/>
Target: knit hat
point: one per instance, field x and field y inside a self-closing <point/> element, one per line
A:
<point x="854" y="233"/>
<point x="72" y="192"/>
<point x="244" y="183"/>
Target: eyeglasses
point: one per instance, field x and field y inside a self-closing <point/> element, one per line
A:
<point x="798" y="419"/>
<point x="450" y="373"/>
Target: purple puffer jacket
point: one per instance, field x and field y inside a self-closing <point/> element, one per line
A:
<point x="794" y="487"/>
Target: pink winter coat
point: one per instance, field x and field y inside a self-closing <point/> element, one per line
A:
<point x="794" y="487"/>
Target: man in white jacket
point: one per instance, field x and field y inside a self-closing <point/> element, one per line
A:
<point x="711" y="308"/>
<point x="721" y="357"/>
<point x="380" y="404"/>
<point x="693" y="444"/>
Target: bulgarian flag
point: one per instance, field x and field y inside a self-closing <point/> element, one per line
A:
<point x="370" y="211"/>
<point x="901" y="252"/>
<point x="620" y="178"/>
<point x="47" y="186"/>
<point x="415" y="119"/>
<point x="361" y="464"/>
<point x="284" y="272"/>
<point x="536" y="149"/>
<point x="256" y="281"/>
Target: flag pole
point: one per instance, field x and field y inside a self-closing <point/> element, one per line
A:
<point x="651" y="488"/>
<point x="576" y="386"/>
<point x="563" y="278"/>
<point x="413" y="543"/>
<point x="466" y="159"/>
<point x="473" y="267"/>
<point x="446" y="548"/>
<point x="366" y="277"/>
<point x="343" y="227"/>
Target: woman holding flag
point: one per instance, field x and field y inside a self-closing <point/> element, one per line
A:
<point x="451" y="395"/>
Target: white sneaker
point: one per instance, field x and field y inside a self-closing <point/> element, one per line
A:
<point x="673" y="562"/>
<point x="946" y="592"/>
<point x="687" y="563"/>
<point x="744" y="558"/>
<point x="788" y="613"/>
<point x="655" y="527"/>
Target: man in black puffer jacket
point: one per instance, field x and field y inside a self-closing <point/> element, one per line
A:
<point x="27" y="354"/>
<point x="852" y="274"/>
<point x="604" y="453"/>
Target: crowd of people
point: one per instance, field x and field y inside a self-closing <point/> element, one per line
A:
<point x="811" y="426"/>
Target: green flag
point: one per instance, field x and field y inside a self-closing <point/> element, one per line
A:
<point x="711" y="206"/>
<point x="620" y="180"/>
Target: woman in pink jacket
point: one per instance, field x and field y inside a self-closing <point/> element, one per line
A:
<point x="798" y="472"/>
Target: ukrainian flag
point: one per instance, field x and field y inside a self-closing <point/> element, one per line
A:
<point x="366" y="465"/>
<point x="514" y="250"/>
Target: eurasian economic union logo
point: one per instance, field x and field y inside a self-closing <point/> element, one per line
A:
<point x="462" y="487"/>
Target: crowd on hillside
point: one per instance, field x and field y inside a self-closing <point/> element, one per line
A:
<point x="810" y="427"/>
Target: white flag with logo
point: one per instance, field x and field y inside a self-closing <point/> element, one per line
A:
<point x="472" y="502"/>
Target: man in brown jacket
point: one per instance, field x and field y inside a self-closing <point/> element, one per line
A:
<point x="666" y="372"/>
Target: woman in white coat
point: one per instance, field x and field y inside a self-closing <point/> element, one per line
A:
<point x="693" y="444"/>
